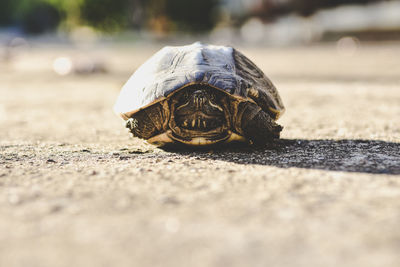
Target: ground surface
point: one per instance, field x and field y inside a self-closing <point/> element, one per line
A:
<point x="76" y="190"/>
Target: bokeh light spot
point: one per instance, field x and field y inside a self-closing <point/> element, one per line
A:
<point x="62" y="65"/>
<point x="347" y="46"/>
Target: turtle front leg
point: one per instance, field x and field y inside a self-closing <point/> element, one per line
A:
<point x="256" y="125"/>
<point x="147" y="123"/>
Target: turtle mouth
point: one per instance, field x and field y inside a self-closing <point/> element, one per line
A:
<point x="200" y="130"/>
<point x="199" y="121"/>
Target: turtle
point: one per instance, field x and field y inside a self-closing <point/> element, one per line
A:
<point x="200" y="95"/>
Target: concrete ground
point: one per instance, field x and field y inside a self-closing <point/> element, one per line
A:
<point x="77" y="190"/>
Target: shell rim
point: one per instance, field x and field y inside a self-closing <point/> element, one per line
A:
<point x="127" y="115"/>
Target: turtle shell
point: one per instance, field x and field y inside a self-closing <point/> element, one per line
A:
<point x="174" y="67"/>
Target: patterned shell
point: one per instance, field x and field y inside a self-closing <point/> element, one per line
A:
<point x="172" y="68"/>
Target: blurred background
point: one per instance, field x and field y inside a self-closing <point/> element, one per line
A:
<point x="267" y="23"/>
<point x="271" y="22"/>
<point x="26" y="24"/>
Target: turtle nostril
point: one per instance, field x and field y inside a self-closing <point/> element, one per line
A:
<point x="199" y="100"/>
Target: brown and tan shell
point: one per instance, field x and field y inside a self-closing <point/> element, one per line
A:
<point x="175" y="67"/>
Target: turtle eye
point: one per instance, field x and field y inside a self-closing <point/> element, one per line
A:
<point x="184" y="95"/>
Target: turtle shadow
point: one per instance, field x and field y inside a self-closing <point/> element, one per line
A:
<point x="349" y="155"/>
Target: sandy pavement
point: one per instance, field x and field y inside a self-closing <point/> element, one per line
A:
<point x="77" y="190"/>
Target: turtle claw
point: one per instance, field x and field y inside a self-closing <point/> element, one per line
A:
<point x="128" y="124"/>
<point x="131" y="123"/>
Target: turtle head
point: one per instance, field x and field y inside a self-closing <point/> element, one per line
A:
<point x="199" y="114"/>
<point x="199" y="109"/>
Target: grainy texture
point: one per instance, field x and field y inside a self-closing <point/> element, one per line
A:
<point x="76" y="190"/>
